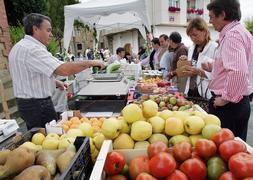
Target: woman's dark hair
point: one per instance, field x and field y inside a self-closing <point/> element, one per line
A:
<point x="33" y="19"/>
<point x="230" y="7"/>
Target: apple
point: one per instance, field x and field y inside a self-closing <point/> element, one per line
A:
<point x="158" y="137"/>
<point x="138" y="165"/>
<point x="165" y="114"/>
<point x="194" y="138"/>
<point x="63" y="136"/>
<point x="141" y="130"/>
<point x="124" y="126"/>
<point x="31" y="146"/>
<point x="181" y="115"/>
<point x="173" y="101"/>
<point x="86" y="128"/>
<point x="212" y="119"/>
<point x="111" y="128"/>
<point x="52" y="135"/>
<point x="162" y="104"/>
<point x="38" y="138"/>
<point x="209" y="130"/>
<point x="175" y="108"/>
<point x="123" y="141"/>
<point x="149" y="108"/>
<point x="141" y="145"/>
<point x="132" y="113"/>
<point x="193" y="124"/>
<point x="98" y="139"/>
<point x="178" y="138"/>
<point x="174" y="126"/>
<point x="92" y="145"/>
<point x="157" y="123"/>
<point x="50" y="143"/>
<point x="74" y="133"/>
<point x="64" y="143"/>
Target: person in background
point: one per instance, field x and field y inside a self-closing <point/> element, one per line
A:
<point x="120" y="54"/>
<point x="142" y="53"/>
<point x="166" y="62"/>
<point x="164" y="45"/>
<point x="153" y="57"/>
<point x="231" y="83"/>
<point x="202" y="50"/>
<point x="131" y="57"/>
<point x="107" y="54"/>
<point x="33" y="70"/>
<point x="179" y="50"/>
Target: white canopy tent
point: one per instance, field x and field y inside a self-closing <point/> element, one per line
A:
<point x="107" y="14"/>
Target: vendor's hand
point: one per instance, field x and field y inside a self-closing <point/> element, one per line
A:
<point x="207" y="66"/>
<point x="218" y="101"/>
<point x="61" y="85"/>
<point x="98" y="63"/>
<point x="183" y="57"/>
<point x="171" y="74"/>
<point x="190" y="70"/>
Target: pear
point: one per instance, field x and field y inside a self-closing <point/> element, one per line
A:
<point x="150" y="108"/>
<point x="17" y="160"/>
<point x="123" y="141"/>
<point x="141" y="145"/>
<point x="64" y="159"/>
<point x="35" y="172"/>
<point x="178" y="138"/>
<point x="4" y="155"/>
<point x="165" y="114"/>
<point x="111" y="128"/>
<point x="47" y="158"/>
<point x="86" y="128"/>
<point x="98" y="139"/>
<point x="194" y="124"/>
<point x="157" y="123"/>
<point x="141" y="130"/>
<point x="158" y="137"/>
<point x="174" y="126"/>
<point x="211" y="119"/>
<point x="132" y="113"/>
<point x="124" y="126"/>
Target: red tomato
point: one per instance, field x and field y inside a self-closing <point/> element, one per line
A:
<point x="241" y="165"/>
<point x="162" y="165"/>
<point x="194" y="168"/>
<point x="227" y="176"/>
<point x="223" y="135"/>
<point x="114" y="163"/>
<point x="177" y="175"/>
<point x="156" y="147"/>
<point x="182" y="151"/>
<point x="138" y="165"/>
<point x="116" y="177"/>
<point x="248" y="178"/>
<point x="205" y="148"/>
<point x="231" y="147"/>
<point x="145" y="176"/>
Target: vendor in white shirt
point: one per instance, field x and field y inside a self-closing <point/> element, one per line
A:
<point x="119" y="56"/>
<point x="33" y="70"/>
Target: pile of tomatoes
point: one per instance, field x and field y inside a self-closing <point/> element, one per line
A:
<point x="221" y="158"/>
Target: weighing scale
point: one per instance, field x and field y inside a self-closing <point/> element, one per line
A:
<point x="7" y="128"/>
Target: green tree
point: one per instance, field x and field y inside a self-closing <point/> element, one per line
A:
<point x="249" y="25"/>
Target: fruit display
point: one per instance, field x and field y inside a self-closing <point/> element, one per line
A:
<point x="204" y="160"/>
<point x="153" y="85"/>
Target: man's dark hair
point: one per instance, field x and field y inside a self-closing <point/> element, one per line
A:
<point x="230" y="7"/>
<point x="175" y="37"/>
<point x="33" y="19"/>
<point x="164" y="36"/>
<point x="119" y="50"/>
<point x="156" y="41"/>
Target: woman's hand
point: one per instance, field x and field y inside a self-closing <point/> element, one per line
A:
<point x="207" y="66"/>
<point x="190" y="71"/>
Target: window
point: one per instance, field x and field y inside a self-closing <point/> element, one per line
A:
<point x="79" y="46"/>
<point x="174" y="3"/>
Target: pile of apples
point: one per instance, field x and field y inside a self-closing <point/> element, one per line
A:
<point x="220" y="157"/>
<point x="153" y="85"/>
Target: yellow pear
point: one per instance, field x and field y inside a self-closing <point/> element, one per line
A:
<point x="165" y="114"/>
<point x="141" y="145"/>
<point x="194" y="124"/>
<point x="149" y="108"/>
<point x="157" y="123"/>
<point x="132" y="113"/>
<point x="87" y="129"/>
<point x="141" y="130"/>
<point x="174" y="126"/>
<point x="211" y="119"/>
<point x="111" y="128"/>
<point x="38" y="138"/>
<point x="123" y="141"/>
<point x="98" y="139"/>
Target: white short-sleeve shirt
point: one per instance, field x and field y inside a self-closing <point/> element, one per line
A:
<point x="32" y="67"/>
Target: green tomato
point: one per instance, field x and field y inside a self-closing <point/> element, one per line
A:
<point x="215" y="168"/>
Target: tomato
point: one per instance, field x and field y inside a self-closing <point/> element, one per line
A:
<point x="114" y="163"/>
<point x="138" y="165"/>
<point x="194" y="168"/>
<point x="241" y="165"/>
<point x="162" y="165"/>
<point x="215" y="167"/>
<point x="145" y="176"/>
<point x="228" y="176"/>
<point x="182" y="151"/>
<point x="177" y="175"/>
<point x="223" y="135"/>
<point x="231" y="147"/>
<point x="248" y="178"/>
<point x="156" y="147"/>
<point x="116" y="177"/>
<point x="205" y="148"/>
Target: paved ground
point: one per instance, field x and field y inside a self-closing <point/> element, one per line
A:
<point x="250" y="127"/>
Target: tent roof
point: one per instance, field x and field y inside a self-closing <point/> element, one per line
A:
<point x="107" y="14"/>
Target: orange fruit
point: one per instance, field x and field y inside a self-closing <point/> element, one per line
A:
<point x="84" y="119"/>
<point x="73" y="126"/>
<point x="96" y="129"/>
<point x="65" y="127"/>
<point x="68" y="123"/>
<point x="93" y="119"/>
<point x="74" y="119"/>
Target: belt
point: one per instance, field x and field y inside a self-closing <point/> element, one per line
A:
<point x="47" y="98"/>
<point x="214" y="95"/>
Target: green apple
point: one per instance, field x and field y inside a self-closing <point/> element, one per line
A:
<point x="173" y="101"/>
<point x="98" y="139"/>
<point x="181" y="115"/>
<point x="141" y="145"/>
<point x="157" y="123"/>
<point x="132" y="113"/>
<point x="123" y="141"/>
<point x="50" y="143"/>
<point x="194" y="124"/>
<point x="124" y="126"/>
<point x="149" y="108"/>
<point x="63" y="136"/>
<point x="86" y="128"/>
<point x="141" y="130"/>
<point x="52" y="135"/>
<point x="212" y="119"/>
<point x="165" y="114"/>
<point x="209" y="130"/>
<point x="194" y="138"/>
<point x="38" y="138"/>
<point x="64" y="143"/>
<point x="111" y="128"/>
<point x="177" y="139"/>
<point x="74" y="133"/>
<point x="174" y="126"/>
<point x="158" y="137"/>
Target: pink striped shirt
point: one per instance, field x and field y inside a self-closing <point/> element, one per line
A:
<point x="232" y="70"/>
